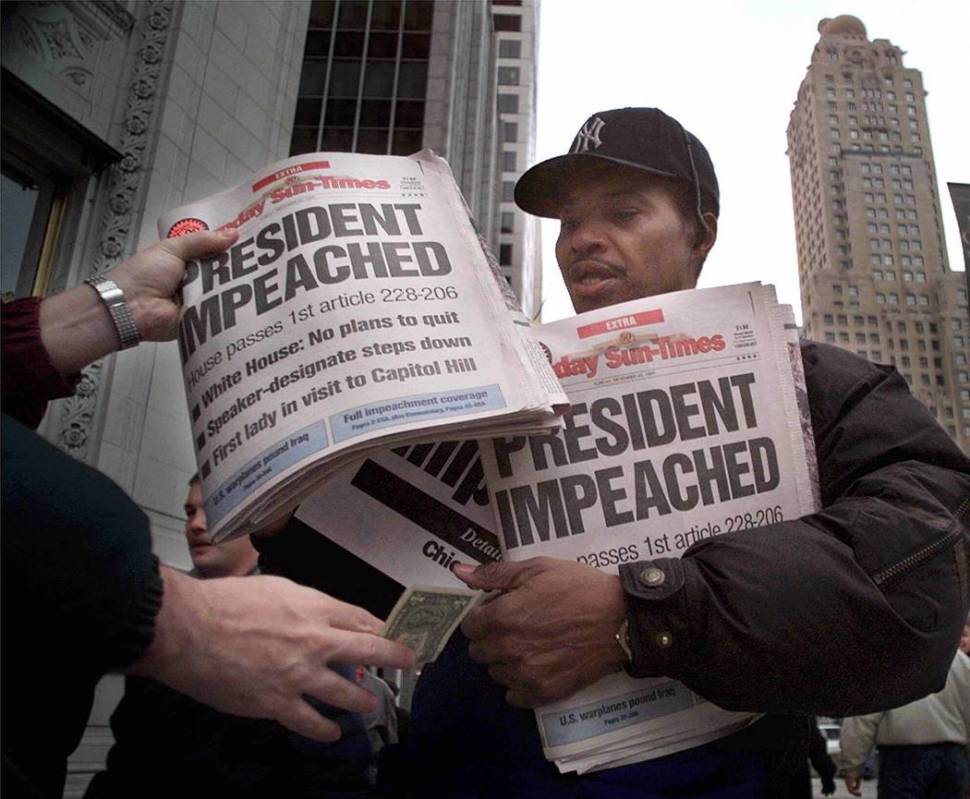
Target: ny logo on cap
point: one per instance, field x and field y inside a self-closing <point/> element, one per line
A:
<point x="589" y="136"/>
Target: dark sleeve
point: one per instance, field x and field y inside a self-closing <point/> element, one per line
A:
<point x="29" y="377"/>
<point x="871" y="590"/>
<point x="818" y="752"/>
<point x="80" y="583"/>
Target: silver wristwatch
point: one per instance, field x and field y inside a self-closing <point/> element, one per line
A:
<point x="114" y="300"/>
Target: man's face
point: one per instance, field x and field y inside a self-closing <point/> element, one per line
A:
<point x="232" y="559"/>
<point x="965" y="639"/>
<point x="622" y="237"/>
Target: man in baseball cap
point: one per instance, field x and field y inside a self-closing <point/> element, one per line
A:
<point x="641" y="162"/>
<point x="799" y="617"/>
<point x="643" y="139"/>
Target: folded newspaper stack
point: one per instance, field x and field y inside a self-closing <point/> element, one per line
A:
<point x="357" y="310"/>
<point x="689" y="420"/>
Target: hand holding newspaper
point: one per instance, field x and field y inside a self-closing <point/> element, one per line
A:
<point x="357" y="310"/>
<point x="689" y="420"/>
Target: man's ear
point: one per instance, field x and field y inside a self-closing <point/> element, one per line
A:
<point x="706" y="236"/>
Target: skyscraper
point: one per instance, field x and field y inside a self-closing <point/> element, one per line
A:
<point x="516" y="24"/>
<point x="394" y="76"/>
<point x="872" y="260"/>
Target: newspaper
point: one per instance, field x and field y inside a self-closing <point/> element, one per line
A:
<point x="686" y="423"/>
<point x="655" y="385"/>
<point x="411" y="512"/>
<point x="356" y="311"/>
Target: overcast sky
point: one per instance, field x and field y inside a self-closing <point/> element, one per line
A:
<point x="729" y="71"/>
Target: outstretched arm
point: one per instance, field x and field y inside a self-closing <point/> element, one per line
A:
<point x="75" y="325"/>
<point x="46" y="342"/>
<point x="260" y="646"/>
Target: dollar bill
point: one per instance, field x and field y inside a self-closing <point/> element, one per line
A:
<point x="425" y="617"/>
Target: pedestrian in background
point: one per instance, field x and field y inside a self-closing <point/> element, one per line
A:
<point x="923" y="746"/>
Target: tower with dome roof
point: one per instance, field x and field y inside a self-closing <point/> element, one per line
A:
<point x="872" y="259"/>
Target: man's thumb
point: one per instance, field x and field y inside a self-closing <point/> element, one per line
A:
<point x="201" y="242"/>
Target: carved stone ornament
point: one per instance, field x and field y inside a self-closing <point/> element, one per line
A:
<point x="67" y="38"/>
<point x="78" y="414"/>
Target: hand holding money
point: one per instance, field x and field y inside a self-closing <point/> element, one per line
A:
<point x="425" y="617"/>
<point x="551" y="630"/>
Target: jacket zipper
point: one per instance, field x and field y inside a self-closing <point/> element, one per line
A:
<point x="928" y="552"/>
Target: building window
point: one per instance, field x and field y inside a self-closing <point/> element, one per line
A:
<point x="509" y="161"/>
<point x="507" y="22"/>
<point x="31" y="215"/>
<point x="505" y="254"/>
<point x="356" y="115"/>
<point x="47" y="160"/>
<point x="508" y="222"/>
<point x="508" y="76"/>
<point x="510" y="48"/>
<point x="508" y="103"/>
<point x="510" y="131"/>
<point x="508" y="191"/>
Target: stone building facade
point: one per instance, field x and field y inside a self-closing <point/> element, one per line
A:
<point x="115" y="111"/>
<point x="872" y="260"/>
<point x="393" y="76"/>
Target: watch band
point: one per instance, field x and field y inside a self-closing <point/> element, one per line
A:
<point x="114" y="300"/>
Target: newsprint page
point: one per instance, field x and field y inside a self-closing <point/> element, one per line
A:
<point x="689" y="419"/>
<point x="356" y="310"/>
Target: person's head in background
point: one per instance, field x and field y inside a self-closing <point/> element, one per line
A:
<point x="235" y="558"/>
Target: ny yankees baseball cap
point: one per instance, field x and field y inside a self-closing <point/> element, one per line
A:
<point x="643" y="138"/>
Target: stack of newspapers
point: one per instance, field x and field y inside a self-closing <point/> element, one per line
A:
<point x="689" y="420"/>
<point x="357" y="310"/>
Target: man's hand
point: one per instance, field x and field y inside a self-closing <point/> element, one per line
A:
<point x="552" y="630"/>
<point x="853" y="784"/>
<point x="75" y="327"/>
<point x="151" y="277"/>
<point x="258" y="646"/>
